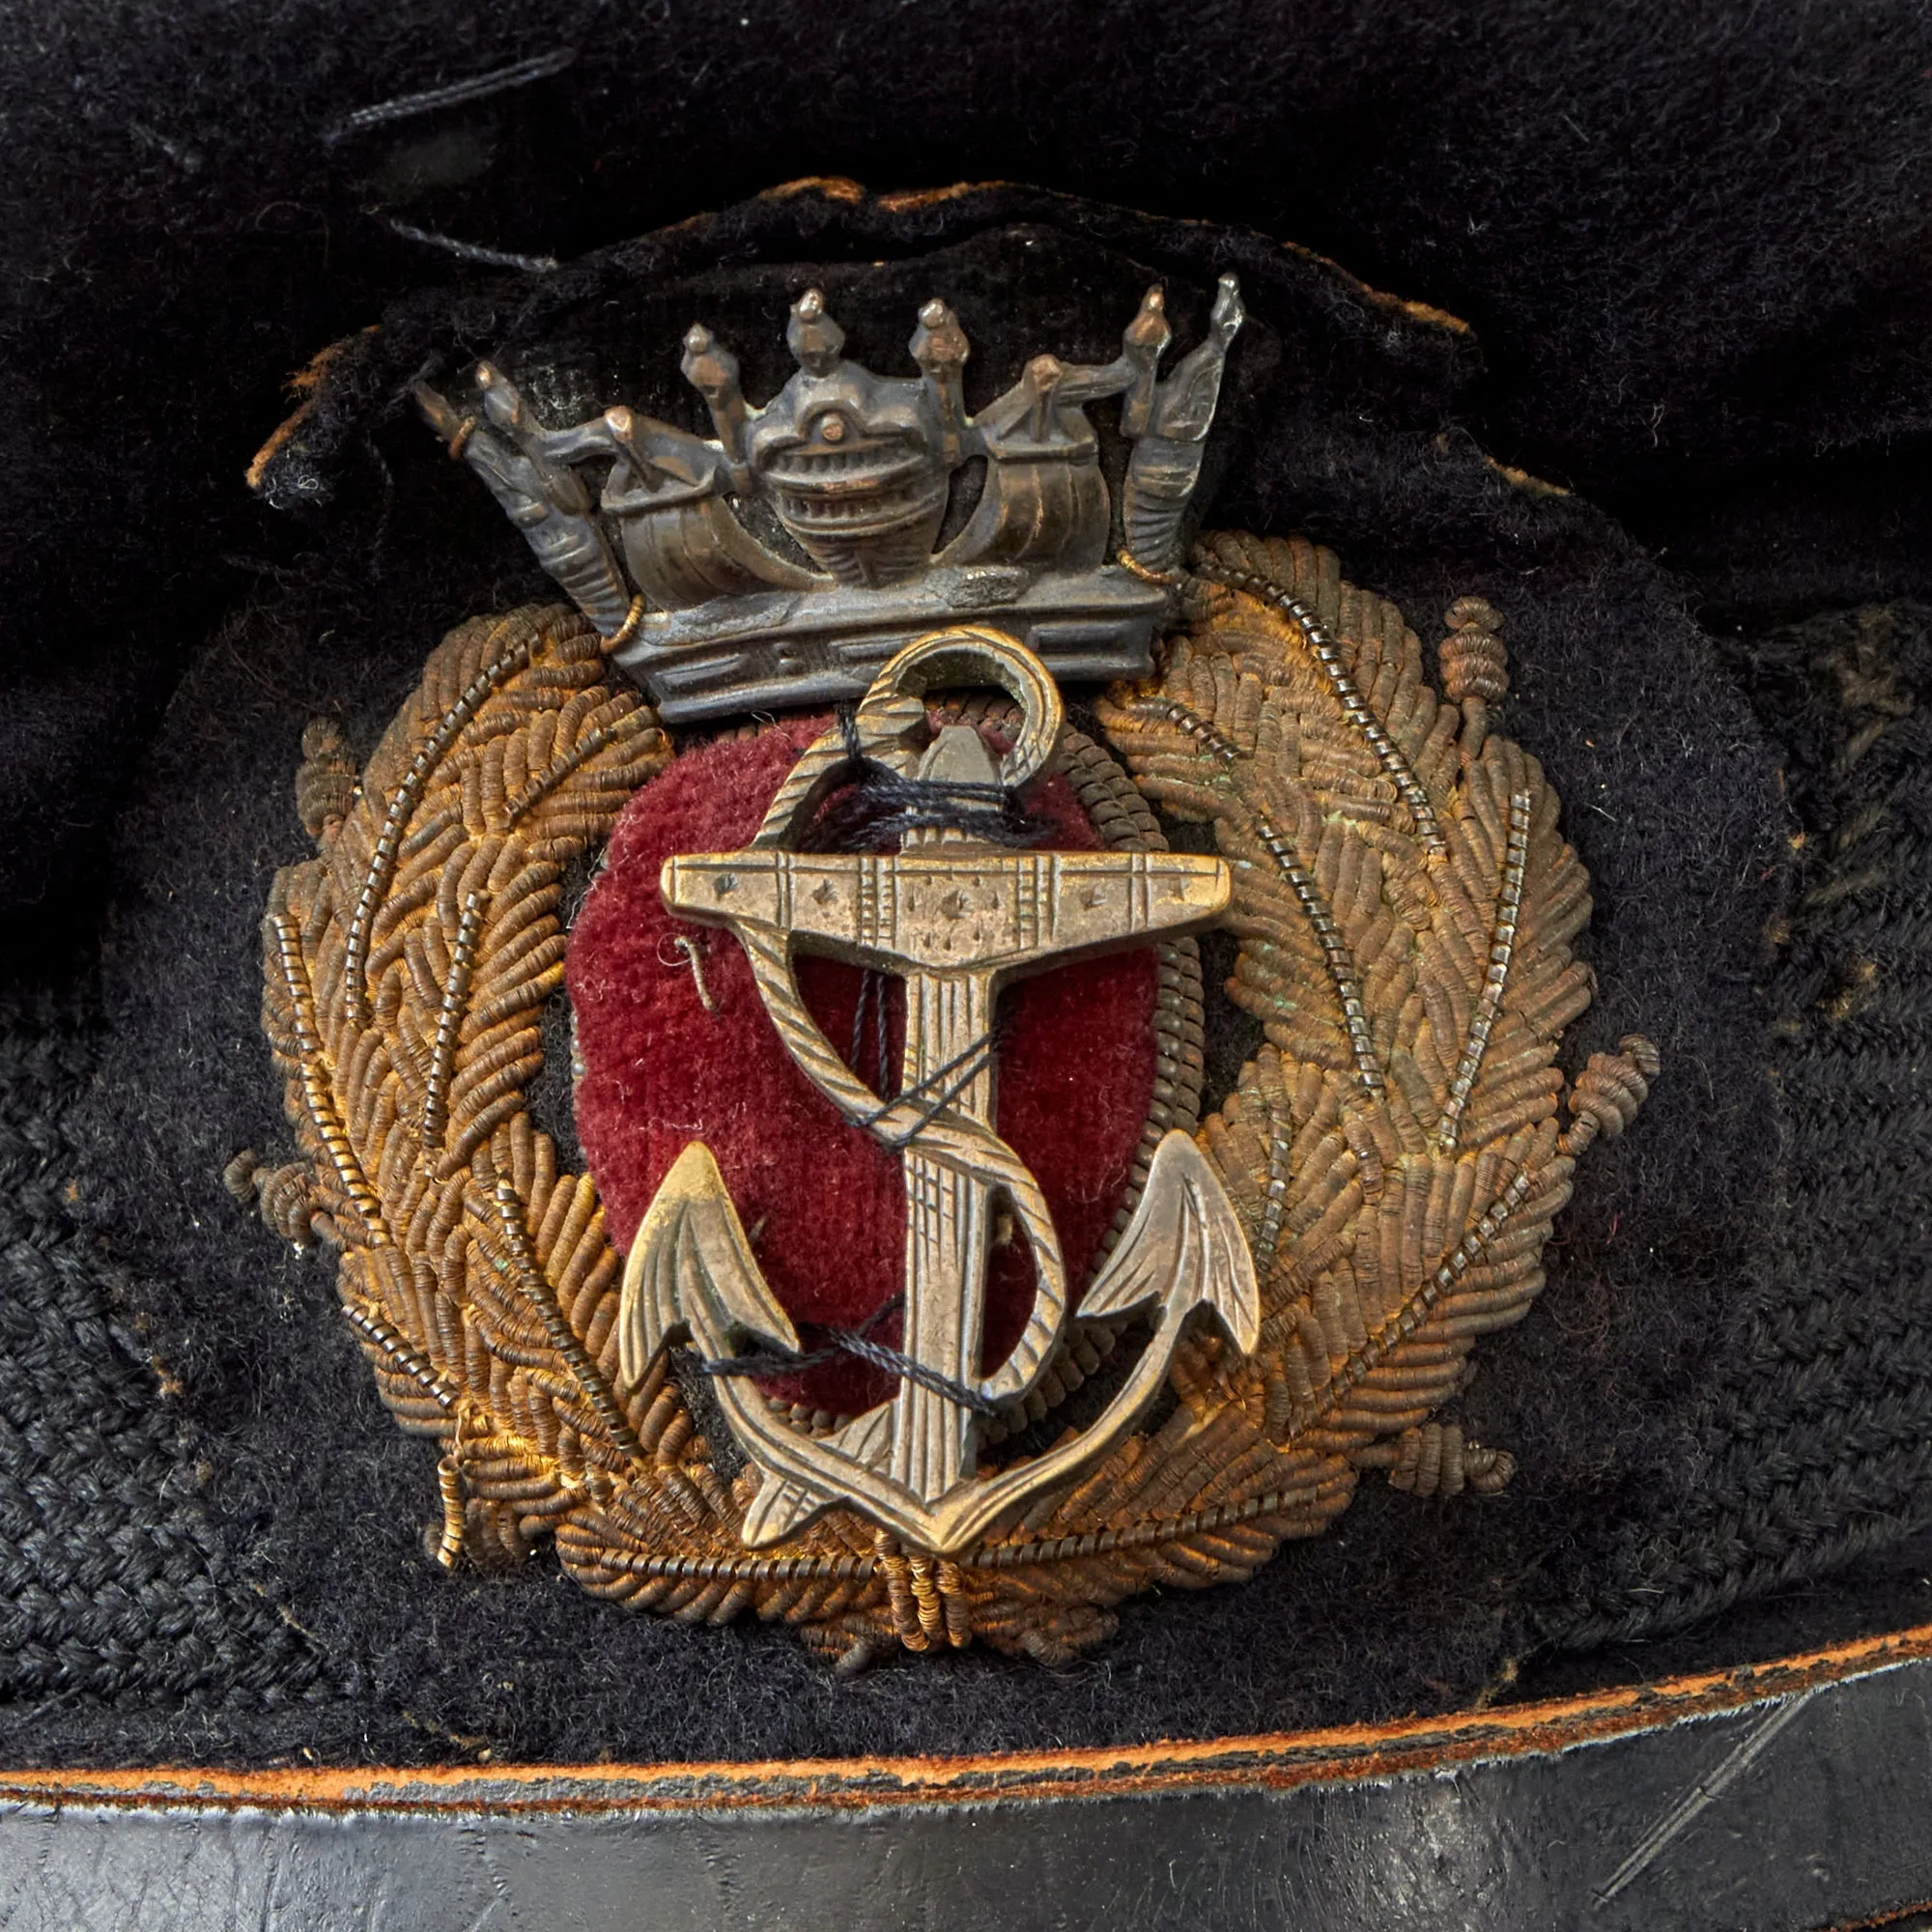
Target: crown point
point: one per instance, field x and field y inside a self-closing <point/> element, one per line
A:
<point x="1228" y="314"/>
<point x="816" y="342"/>
<point x="1146" y="336"/>
<point x="712" y="370"/>
<point x="502" y="406"/>
<point x="707" y="364"/>
<point x="939" y="345"/>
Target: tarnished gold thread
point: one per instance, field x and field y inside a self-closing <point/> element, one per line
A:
<point x="688" y="950"/>
<point x="925" y="1595"/>
<point x="1335" y="953"/>
<point x="1275" y="1201"/>
<point x="317" y="1099"/>
<point x="449" y="1486"/>
<point x="398" y="1353"/>
<point x="556" y="773"/>
<point x="957" y="1613"/>
<point x="1354" y="708"/>
<point x="891" y="1564"/>
<point x="403" y="804"/>
<point x="541" y="1296"/>
<point x="1608" y="1092"/>
<point x="895" y="1571"/>
<point x="1495" y="977"/>
<point x="628" y="628"/>
<point x="1463" y="1257"/>
<point x="449" y="1023"/>
<point x="746" y="1569"/>
<point x="1166" y="579"/>
<point x="1146" y="1535"/>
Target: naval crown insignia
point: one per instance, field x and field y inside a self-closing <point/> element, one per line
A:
<point x="860" y="470"/>
<point x="648" y="1364"/>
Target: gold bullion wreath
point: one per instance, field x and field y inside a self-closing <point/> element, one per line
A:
<point x="1403" y="904"/>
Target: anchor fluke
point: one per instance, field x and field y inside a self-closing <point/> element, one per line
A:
<point x="691" y="1269"/>
<point x="1183" y="1249"/>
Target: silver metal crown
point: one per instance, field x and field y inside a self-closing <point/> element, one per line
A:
<point x="858" y="470"/>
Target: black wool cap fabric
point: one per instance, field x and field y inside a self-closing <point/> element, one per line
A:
<point x="1723" y="1389"/>
<point x="1339" y="423"/>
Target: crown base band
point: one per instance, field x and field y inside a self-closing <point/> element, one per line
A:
<point x="786" y="649"/>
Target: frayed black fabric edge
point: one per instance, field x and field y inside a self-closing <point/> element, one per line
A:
<point x="364" y="379"/>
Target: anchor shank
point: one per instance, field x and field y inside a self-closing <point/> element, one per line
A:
<point x="949" y="1221"/>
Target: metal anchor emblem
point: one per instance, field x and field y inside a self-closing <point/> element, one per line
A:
<point x="955" y="917"/>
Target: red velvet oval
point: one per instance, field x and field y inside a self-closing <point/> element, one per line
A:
<point x="824" y="1203"/>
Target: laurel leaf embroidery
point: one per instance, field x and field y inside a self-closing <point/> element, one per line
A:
<point x="1404" y="905"/>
